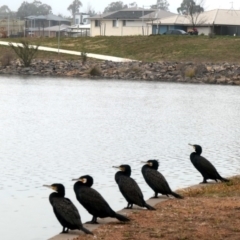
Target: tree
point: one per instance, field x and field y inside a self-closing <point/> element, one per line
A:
<point x="192" y="10"/>
<point x="161" y="4"/>
<point x="133" y="4"/>
<point x="34" y="8"/>
<point x="74" y="8"/>
<point x="115" y="6"/>
<point x="189" y="7"/>
<point x="4" y="9"/>
<point x="90" y="10"/>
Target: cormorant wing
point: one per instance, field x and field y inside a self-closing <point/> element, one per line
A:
<point x="92" y="199"/>
<point x="203" y="165"/>
<point x="65" y="209"/>
<point x="156" y="180"/>
<point x="130" y="189"/>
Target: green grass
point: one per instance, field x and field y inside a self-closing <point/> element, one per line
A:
<point x="151" y="48"/>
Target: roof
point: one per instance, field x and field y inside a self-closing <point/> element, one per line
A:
<point x="128" y="14"/>
<point x="50" y="17"/>
<point x="216" y="17"/>
<point x="125" y="14"/>
<point x="159" y="14"/>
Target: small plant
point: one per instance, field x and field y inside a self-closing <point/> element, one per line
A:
<point x="6" y="59"/>
<point x="190" y="72"/>
<point x="84" y="57"/>
<point x="95" y="71"/>
<point x="25" y="52"/>
<point x="83" y="53"/>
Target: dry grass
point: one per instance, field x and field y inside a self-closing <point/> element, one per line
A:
<point x="228" y="189"/>
<point x="6" y="58"/>
<point x="154" y="48"/>
<point x="208" y="212"/>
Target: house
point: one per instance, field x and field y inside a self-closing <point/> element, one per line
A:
<point x="82" y="18"/>
<point x="129" y="21"/>
<point x="46" y="26"/>
<point x="79" y="30"/>
<point x="11" y="27"/>
<point x="218" y="21"/>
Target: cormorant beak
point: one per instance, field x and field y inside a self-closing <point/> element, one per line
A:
<point x="51" y="187"/>
<point x="77" y="179"/>
<point x="192" y="146"/>
<point x="115" y="167"/>
<point x="144" y="162"/>
<point x="118" y="167"/>
<point x="83" y="180"/>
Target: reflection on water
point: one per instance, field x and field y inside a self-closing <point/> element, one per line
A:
<point x="53" y="130"/>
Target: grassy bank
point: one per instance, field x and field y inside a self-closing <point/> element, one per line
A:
<point x="150" y="48"/>
<point x="208" y="212"/>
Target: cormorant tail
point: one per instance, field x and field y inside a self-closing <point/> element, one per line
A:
<point x="149" y="207"/>
<point x="86" y="230"/>
<point x="224" y="179"/>
<point x="177" y="195"/>
<point x="122" y="218"/>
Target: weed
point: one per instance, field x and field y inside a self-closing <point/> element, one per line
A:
<point x="190" y="72"/>
<point x="84" y="57"/>
<point x="25" y="52"/>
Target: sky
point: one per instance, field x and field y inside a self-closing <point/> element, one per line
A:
<point x="60" y="7"/>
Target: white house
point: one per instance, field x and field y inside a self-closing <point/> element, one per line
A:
<point x="125" y="22"/>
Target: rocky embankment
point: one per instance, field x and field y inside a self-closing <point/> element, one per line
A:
<point x="212" y="73"/>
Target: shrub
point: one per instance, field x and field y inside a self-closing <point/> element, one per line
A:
<point x="190" y="72"/>
<point x="6" y="59"/>
<point x="95" y="71"/>
<point x="25" y="52"/>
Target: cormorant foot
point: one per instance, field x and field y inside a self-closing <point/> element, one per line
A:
<point x="91" y="222"/>
<point x="203" y="182"/>
<point x="154" y="197"/>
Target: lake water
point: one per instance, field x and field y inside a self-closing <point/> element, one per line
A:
<point x="53" y="130"/>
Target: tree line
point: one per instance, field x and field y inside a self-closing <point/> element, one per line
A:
<point x="187" y="7"/>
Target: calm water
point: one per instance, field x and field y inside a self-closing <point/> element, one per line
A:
<point x="53" y="130"/>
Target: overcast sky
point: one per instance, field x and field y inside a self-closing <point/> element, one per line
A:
<point x="59" y="6"/>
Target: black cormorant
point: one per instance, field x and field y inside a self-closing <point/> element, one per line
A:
<point x="206" y="168"/>
<point x="93" y="201"/>
<point x="129" y="188"/>
<point x="65" y="211"/>
<point x="156" y="180"/>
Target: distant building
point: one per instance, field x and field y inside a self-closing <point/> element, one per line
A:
<point x="11" y="26"/>
<point x="46" y="26"/>
<point x="218" y="21"/>
<point x="82" y="19"/>
<point x="126" y="22"/>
